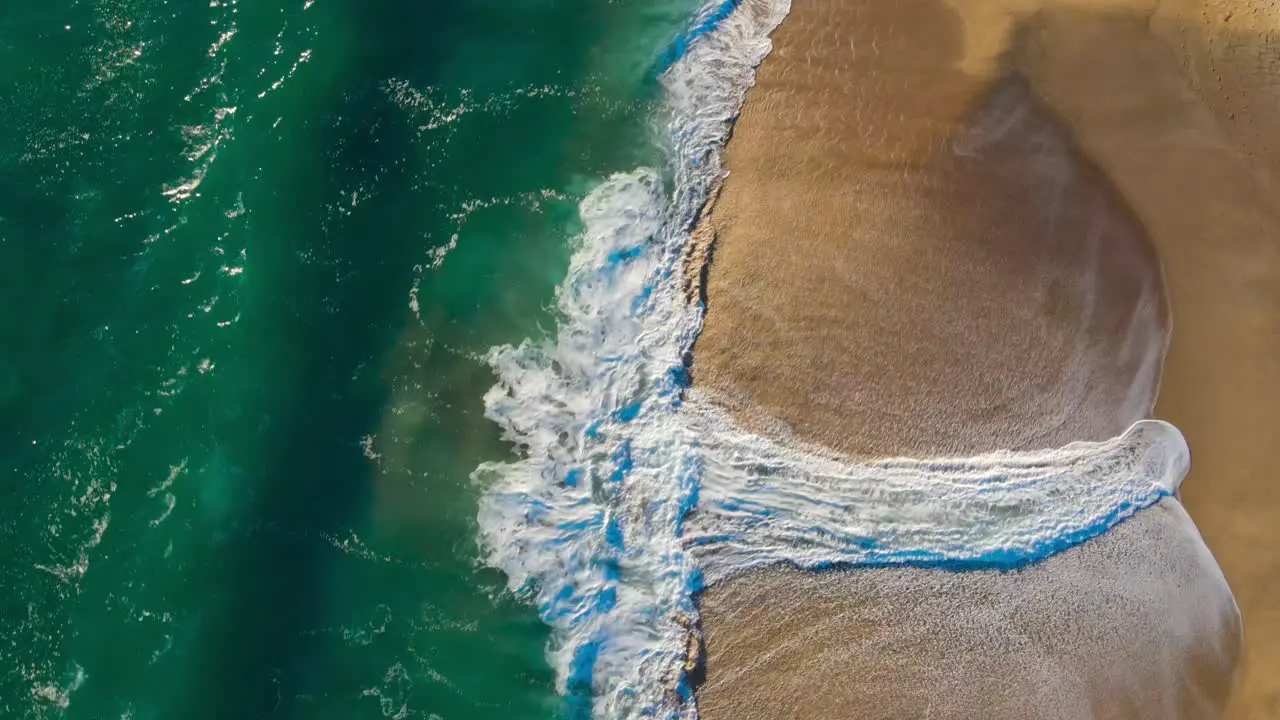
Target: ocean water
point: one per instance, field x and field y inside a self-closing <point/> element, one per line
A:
<point x="344" y="367"/>
<point x="252" y="257"/>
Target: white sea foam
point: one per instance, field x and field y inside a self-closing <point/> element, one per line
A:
<point x="589" y="521"/>
<point x="630" y="492"/>
<point x="761" y="503"/>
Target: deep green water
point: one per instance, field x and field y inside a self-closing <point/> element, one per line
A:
<point x="251" y="254"/>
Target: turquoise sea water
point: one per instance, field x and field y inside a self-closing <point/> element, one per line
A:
<point x="251" y="257"/>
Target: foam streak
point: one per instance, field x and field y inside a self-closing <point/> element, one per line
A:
<point x="761" y="503"/>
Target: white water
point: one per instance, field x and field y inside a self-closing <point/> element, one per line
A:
<point x="761" y="503"/>
<point x="597" y="522"/>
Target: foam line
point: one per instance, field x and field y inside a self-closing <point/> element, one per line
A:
<point x="761" y="503"/>
<point x="587" y="522"/>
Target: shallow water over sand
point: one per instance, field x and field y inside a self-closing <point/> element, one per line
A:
<point x="919" y="249"/>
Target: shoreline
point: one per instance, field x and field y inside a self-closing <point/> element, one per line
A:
<point x="995" y="38"/>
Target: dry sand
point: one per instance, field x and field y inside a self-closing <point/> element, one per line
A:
<point x="937" y="237"/>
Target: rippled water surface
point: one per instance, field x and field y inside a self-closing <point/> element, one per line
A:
<point x="252" y="256"/>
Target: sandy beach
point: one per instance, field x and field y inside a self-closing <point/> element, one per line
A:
<point x="1091" y="633"/>
<point x="957" y="226"/>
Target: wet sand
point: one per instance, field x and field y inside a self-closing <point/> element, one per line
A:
<point x="1090" y="633"/>
<point x="942" y="233"/>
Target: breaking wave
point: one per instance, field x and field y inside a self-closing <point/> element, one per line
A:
<point x="630" y="494"/>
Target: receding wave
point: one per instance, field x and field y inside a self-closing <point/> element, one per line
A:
<point x="761" y="503"/>
<point x="630" y="494"/>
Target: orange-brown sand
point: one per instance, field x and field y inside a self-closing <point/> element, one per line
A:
<point x="942" y="233"/>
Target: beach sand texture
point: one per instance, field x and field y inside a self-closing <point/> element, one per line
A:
<point x="942" y="233"/>
<point x="1091" y="633"/>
